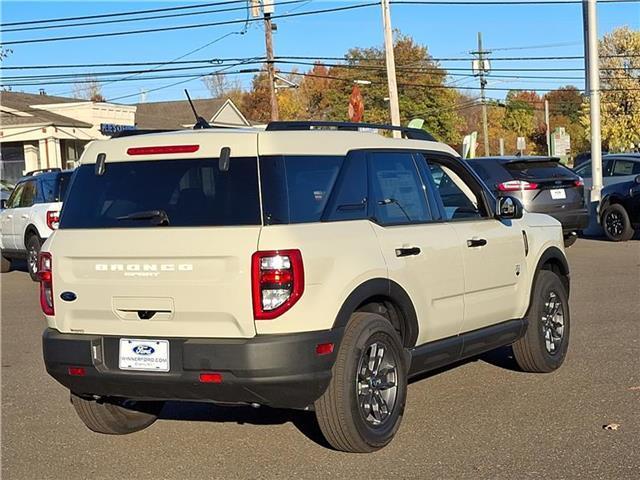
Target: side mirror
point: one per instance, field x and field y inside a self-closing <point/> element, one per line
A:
<point x="509" y="208"/>
<point x="3" y="204"/>
<point x="637" y="179"/>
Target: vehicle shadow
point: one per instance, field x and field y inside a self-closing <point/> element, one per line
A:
<point x="304" y="421"/>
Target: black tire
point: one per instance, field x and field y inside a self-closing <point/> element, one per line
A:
<point x="5" y="264"/>
<point x="616" y="224"/>
<point x="570" y="239"/>
<point x="33" y="245"/>
<point x="113" y="416"/>
<point x="534" y="352"/>
<point x="341" y="418"/>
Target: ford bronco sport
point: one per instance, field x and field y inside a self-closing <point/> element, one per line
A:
<point x="308" y="266"/>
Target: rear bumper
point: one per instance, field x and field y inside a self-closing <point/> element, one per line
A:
<point x="275" y="370"/>
<point x="572" y="220"/>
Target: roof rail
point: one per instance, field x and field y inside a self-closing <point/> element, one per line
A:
<point x="42" y="170"/>
<point x="407" y="132"/>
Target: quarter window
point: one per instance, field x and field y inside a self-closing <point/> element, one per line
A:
<point x="398" y="193"/>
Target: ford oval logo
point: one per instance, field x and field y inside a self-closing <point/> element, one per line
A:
<point x="143" y="350"/>
<point x="68" y="296"/>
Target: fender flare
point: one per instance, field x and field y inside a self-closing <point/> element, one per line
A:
<point x="554" y="254"/>
<point x="382" y="287"/>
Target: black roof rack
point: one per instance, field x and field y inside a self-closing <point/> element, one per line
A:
<point x="42" y="170"/>
<point x="131" y="133"/>
<point x="410" y="133"/>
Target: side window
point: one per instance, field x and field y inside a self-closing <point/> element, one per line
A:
<point x="350" y="199"/>
<point x="397" y="192"/>
<point x="458" y="199"/>
<point x="625" y="167"/>
<point x="14" y="199"/>
<point x="584" y="170"/>
<point x="28" y="197"/>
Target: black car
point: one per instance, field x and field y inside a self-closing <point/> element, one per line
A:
<point x="543" y="185"/>
<point x="620" y="210"/>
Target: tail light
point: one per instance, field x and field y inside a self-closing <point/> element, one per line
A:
<point x="516" y="185"/>
<point x="53" y="219"/>
<point x="277" y="282"/>
<point x="46" y="282"/>
<point x="579" y="182"/>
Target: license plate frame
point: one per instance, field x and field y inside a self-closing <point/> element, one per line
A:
<point x="144" y="355"/>
<point x="558" y="194"/>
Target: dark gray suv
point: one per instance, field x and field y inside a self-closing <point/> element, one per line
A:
<point x="543" y="185"/>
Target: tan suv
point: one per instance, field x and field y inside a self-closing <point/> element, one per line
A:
<point x="308" y="266"/>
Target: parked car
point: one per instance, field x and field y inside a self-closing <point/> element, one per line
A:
<point x="5" y="189"/>
<point x="584" y="157"/>
<point x="543" y="185"/>
<point x="620" y="210"/>
<point x="30" y="215"/>
<point x="293" y="267"/>
<point x="616" y="168"/>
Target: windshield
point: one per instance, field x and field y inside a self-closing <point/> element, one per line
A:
<point x="189" y="192"/>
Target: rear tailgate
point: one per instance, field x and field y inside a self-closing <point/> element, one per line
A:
<point x="160" y="244"/>
<point x="558" y="188"/>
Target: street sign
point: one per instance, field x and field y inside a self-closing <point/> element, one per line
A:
<point x="521" y="144"/>
<point x="560" y="142"/>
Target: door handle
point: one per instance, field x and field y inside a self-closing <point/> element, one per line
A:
<point x="476" y="242"/>
<point x="407" y="251"/>
<point x="24" y="216"/>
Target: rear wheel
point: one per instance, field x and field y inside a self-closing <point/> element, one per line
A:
<point x="33" y="245"/>
<point x="115" y="416"/>
<point x="544" y="346"/>
<point x="362" y="408"/>
<point x="5" y="265"/>
<point x="616" y="223"/>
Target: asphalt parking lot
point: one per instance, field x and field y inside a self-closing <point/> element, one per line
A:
<point x="480" y="420"/>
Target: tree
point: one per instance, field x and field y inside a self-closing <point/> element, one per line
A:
<point x="221" y="86"/>
<point x="620" y="84"/>
<point x="566" y="101"/>
<point x="89" y="89"/>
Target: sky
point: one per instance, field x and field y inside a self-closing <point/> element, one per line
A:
<point x="447" y="31"/>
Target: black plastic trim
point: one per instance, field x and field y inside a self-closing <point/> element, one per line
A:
<point x="387" y="288"/>
<point x="276" y="370"/>
<point x="440" y="353"/>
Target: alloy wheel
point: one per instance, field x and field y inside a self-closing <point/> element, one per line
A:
<point x="376" y="383"/>
<point x="614" y="224"/>
<point x="553" y="322"/>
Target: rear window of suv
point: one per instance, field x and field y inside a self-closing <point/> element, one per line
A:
<point x="191" y="193"/>
<point x="538" y="169"/>
<point x="54" y="187"/>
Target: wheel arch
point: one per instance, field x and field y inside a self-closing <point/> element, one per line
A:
<point x="387" y="298"/>
<point x="554" y="259"/>
<point x="31" y="230"/>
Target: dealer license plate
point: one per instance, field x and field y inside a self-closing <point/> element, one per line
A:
<point x="558" y="194"/>
<point x="144" y="355"/>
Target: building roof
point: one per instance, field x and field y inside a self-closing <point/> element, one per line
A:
<point x="177" y="114"/>
<point x="17" y="110"/>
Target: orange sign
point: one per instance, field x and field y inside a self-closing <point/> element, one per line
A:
<point x="356" y="105"/>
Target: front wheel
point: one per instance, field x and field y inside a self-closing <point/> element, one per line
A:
<point x="33" y="245"/>
<point x="544" y="346"/>
<point x="362" y="408"/>
<point x="115" y="416"/>
<point x="616" y="223"/>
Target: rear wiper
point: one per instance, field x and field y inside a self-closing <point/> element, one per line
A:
<point x="160" y="216"/>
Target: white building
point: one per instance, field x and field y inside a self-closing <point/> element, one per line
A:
<point x="42" y="131"/>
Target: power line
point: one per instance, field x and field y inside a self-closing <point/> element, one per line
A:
<point x="187" y="27"/>
<point x="155" y="17"/>
<point x="119" y="14"/>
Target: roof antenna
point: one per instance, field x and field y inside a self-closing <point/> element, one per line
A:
<point x="200" y="122"/>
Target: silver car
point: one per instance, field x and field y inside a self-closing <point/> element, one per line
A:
<point x="543" y="185"/>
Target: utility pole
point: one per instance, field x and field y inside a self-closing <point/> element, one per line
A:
<point x="546" y="122"/>
<point x="593" y="74"/>
<point x="481" y="68"/>
<point x="394" y="104"/>
<point x="267" y="9"/>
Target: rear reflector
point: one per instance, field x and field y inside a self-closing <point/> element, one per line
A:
<point x="516" y="185"/>
<point x="324" y="348"/>
<point x="77" y="371"/>
<point x="210" y="378"/>
<point x="160" y="150"/>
